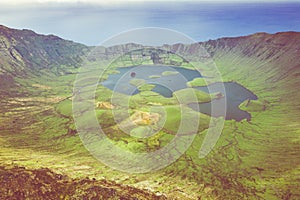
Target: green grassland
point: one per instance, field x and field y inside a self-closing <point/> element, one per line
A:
<point x="251" y="160"/>
<point x="190" y="95"/>
<point x="197" y="82"/>
<point x="47" y="137"/>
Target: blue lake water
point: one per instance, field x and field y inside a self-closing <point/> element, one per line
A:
<point x="235" y="94"/>
<point x="165" y="85"/>
<point x="176" y="79"/>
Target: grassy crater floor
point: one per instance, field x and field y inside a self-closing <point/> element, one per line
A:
<point x="38" y="131"/>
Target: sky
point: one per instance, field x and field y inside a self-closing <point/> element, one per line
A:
<point x="120" y="1"/>
<point x="91" y="22"/>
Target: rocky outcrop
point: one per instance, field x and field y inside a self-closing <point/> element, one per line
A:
<point x="105" y="105"/>
<point x="20" y="183"/>
<point x="145" y="118"/>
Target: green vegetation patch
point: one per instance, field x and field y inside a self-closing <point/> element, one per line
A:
<point x="137" y="82"/>
<point x="197" y="82"/>
<point x="140" y="131"/>
<point x="65" y="108"/>
<point x="191" y="95"/>
<point x="149" y="98"/>
<point x="253" y="105"/>
<point x="169" y="73"/>
<point x="136" y="142"/>
<point x="154" y="76"/>
<point x="146" y="87"/>
<point x="177" y="113"/>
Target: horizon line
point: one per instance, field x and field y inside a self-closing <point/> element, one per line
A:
<point x="97" y="45"/>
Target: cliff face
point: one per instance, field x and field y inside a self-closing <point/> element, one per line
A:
<point x="22" y="51"/>
<point x="277" y="52"/>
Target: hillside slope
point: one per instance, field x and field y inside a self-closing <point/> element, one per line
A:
<point x="25" y="48"/>
<point x="24" y="53"/>
<point x="253" y="159"/>
<point x="268" y="65"/>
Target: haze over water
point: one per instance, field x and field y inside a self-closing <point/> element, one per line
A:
<point x="91" y="24"/>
